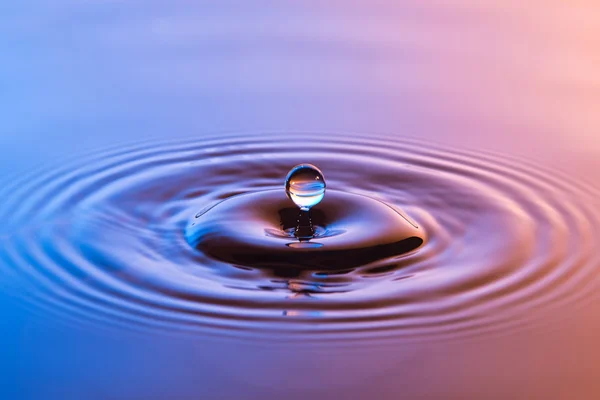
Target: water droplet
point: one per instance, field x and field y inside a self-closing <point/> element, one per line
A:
<point x="305" y="186"/>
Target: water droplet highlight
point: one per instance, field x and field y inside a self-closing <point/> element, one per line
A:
<point x="305" y="186"/>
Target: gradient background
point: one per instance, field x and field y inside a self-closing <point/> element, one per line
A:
<point x="520" y="78"/>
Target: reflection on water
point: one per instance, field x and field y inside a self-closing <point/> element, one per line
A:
<point x="102" y="296"/>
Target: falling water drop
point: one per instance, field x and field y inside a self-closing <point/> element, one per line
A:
<point x="305" y="186"/>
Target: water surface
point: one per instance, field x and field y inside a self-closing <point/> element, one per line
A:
<point x="120" y="121"/>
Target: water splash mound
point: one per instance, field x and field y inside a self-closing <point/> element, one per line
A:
<point x="257" y="230"/>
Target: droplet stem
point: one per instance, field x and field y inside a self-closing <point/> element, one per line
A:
<point x="304" y="226"/>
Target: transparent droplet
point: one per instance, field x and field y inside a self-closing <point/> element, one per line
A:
<point x="305" y="186"/>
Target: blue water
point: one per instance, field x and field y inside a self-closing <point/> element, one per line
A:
<point x="83" y="83"/>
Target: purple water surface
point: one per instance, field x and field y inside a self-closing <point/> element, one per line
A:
<point x="121" y="120"/>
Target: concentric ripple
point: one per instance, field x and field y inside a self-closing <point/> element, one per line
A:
<point x="101" y="240"/>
